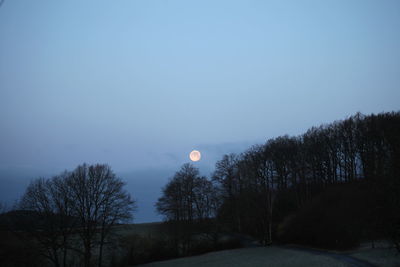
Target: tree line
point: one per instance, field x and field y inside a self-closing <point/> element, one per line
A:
<point x="261" y="191"/>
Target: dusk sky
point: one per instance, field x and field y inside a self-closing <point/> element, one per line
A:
<point x="139" y="84"/>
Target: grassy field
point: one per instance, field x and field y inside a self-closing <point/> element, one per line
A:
<point x="261" y="256"/>
<point x="277" y="256"/>
<point x="383" y="254"/>
<point x="379" y="257"/>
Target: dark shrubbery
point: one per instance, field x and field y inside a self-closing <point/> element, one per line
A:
<point x="205" y="246"/>
<point x="17" y="252"/>
<point x="144" y="249"/>
<point x="338" y="218"/>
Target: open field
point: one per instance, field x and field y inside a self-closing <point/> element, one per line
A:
<point x="382" y="255"/>
<point x="261" y="256"/>
<point x="379" y="257"/>
<point x="279" y="256"/>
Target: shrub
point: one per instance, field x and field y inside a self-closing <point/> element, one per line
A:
<point x="141" y="249"/>
<point x="15" y="252"/>
<point x="336" y="219"/>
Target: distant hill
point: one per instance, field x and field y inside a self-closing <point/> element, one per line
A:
<point x="24" y="220"/>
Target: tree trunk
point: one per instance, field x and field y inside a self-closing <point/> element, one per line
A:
<point x="55" y="257"/>
<point x="65" y="249"/>
<point x="101" y="249"/>
<point x="87" y="254"/>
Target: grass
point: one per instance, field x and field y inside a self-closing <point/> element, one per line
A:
<point x="261" y="256"/>
<point x="382" y="255"/>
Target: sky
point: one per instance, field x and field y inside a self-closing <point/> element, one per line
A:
<point x="139" y="84"/>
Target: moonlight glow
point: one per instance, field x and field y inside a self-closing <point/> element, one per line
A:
<point x="195" y="155"/>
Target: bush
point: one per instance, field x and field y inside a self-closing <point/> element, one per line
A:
<point x="336" y="219"/>
<point x="141" y="249"/>
<point x="17" y="252"/>
<point x="205" y="246"/>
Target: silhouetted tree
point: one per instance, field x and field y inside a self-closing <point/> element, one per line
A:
<point x="187" y="201"/>
<point x="99" y="201"/>
<point x="269" y="182"/>
<point x="86" y="202"/>
<point x="266" y="185"/>
<point x="227" y="178"/>
<point x="50" y="222"/>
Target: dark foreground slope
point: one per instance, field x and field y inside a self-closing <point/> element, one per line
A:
<point x="274" y="256"/>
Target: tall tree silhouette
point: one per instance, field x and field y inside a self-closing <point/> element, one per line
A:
<point x="87" y="201"/>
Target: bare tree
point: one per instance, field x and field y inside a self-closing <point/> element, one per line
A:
<point x="45" y="218"/>
<point x="177" y="201"/>
<point x="86" y="202"/>
<point x="99" y="202"/>
<point x="228" y="179"/>
<point x="187" y="201"/>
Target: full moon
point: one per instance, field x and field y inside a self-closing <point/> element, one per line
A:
<point x="195" y="155"/>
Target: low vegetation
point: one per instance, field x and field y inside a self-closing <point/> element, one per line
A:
<point x="338" y="218"/>
<point x="145" y="243"/>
